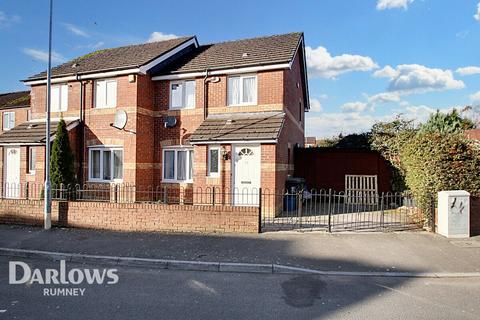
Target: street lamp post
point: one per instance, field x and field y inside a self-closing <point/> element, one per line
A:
<point x="48" y="191"/>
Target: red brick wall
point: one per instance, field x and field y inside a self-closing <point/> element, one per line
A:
<point x="134" y="217"/>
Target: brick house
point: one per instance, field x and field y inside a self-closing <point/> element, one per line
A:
<point x="15" y="110"/>
<point x="224" y="115"/>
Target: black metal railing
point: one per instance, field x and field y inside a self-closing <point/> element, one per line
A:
<point x="278" y="209"/>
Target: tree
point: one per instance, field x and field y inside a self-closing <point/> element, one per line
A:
<point x="445" y="123"/>
<point x="62" y="169"/>
<point x="388" y="138"/>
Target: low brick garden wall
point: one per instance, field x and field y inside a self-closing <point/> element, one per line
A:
<point x="133" y="216"/>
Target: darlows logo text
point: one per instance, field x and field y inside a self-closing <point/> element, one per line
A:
<point x="60" y="281"/>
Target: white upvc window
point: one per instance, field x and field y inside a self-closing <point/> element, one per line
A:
<point x="8" y="120"/>
<point x="214" y="161"/>
<point x="182" y="94"/>
<point x="106" y="93"/>
<point x="105" y="164"/>
<point x="177" y="164"/>
<point x="32" y="158"/>
<point x="242" y="90"/>
<point x="59" y="98"/>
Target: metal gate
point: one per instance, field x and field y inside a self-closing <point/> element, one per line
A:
<point x="338" y="211"/>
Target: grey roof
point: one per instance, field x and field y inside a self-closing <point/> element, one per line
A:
<point x="11" y="100"/>
<point x="29" y="133"/>
<point x="239" y="126"/>
<point x="240" y="53"/>
<point x="132" y="56"/>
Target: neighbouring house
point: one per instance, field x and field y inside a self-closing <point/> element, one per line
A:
<point x="473" y="134"/>
<point x="15" y="110"/>
<point x="225" y="115"/>
<point x="310" y="142"/>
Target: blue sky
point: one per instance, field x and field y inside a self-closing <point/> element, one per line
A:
<point x="368" y="60"/>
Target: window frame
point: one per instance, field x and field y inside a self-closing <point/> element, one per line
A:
<point x="31" y="151"/>
<point x="106" y="106"/>
<point x="103" y="149"/>
<point x="189" y="163"/>
<point x="209" y="161"/>
<point x="184" y="94"/>
<point x="241" y="77"/>
<point x="61" y="86"/>
<point x="9" y="114"/>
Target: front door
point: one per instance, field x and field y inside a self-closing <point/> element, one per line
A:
<point x="12" y="172"/>
<point x="246" y="179"/>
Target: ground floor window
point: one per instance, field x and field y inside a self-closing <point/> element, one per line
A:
<point x="213" y="161"/>
<point x="178" y="164"/>
<point x="105" y="164"/>
<point x="32" y="158"/>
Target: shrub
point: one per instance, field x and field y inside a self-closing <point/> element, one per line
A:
<point x="434" y="162"/>
<point x="446" y="123"/>
<point x="62" y="169"/>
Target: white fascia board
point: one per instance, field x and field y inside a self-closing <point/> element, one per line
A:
<point x="55" y="119"/>
<point x="17" y="144"/>
<point x="222" y="72"/>
<point x="86" y="76"/>
<point x="234" y="142"/>
<point x="143" y="69"/>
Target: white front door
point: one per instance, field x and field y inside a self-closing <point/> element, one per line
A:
<point x="246" y="179"/>
<point x="12" y="172"/>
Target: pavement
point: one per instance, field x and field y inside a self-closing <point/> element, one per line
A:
<point x="143" y="293"/>
<point x="414" y="253"/>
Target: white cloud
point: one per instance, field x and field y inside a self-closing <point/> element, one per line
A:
<point x="76" y="30"/>
<point x="393" y="4"/>
<point x="467" y="71"/>
<point x="385" y="72"/>
<point x="414" y="78"/>
<point x="477" y="15"/>
<point x="43" y="55"/>
<point x="384" y="97"/>
<point x="7" y="20"/>
<point x="332" y="124"/>
<point x="321" y="64"/>
<point x="94" y="45"/>
<point x="354" y="106"/>
<point x="315" y="105"/>
<point x="160" y="36"/>
<point x="475" y="97"/>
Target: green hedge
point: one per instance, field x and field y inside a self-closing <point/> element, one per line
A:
<point x="434" y="162"/>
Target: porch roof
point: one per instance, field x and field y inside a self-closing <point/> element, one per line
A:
<point x="260" y="126"/>
<point x="31" y="133"/>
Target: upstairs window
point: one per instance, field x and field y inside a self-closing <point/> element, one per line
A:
<point x="242" y="90"/>
<point x="59" y="98"/>
<point x="106" y="93"/>
<point x="8" y="120"/>
<point x="178" y="165"/>
<point x="182" y="94"/>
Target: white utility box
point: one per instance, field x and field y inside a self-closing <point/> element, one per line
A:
<point x="454" y="214"/>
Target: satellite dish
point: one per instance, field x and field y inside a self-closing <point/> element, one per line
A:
<point x="170" y="121"/>
<point x="120" y="120"/>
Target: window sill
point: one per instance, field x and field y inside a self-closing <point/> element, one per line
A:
<point x="109" y="107"/>
<point x="31" y="173"/>
<point x="179" y="109"/>
<point x="177" y="181"/>
<point x="250" y="104"/>
<point x="105" y="181"/>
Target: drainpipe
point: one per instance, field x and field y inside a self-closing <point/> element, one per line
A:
<point x="205" y="95"/>
<point x="81" y="131"/>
